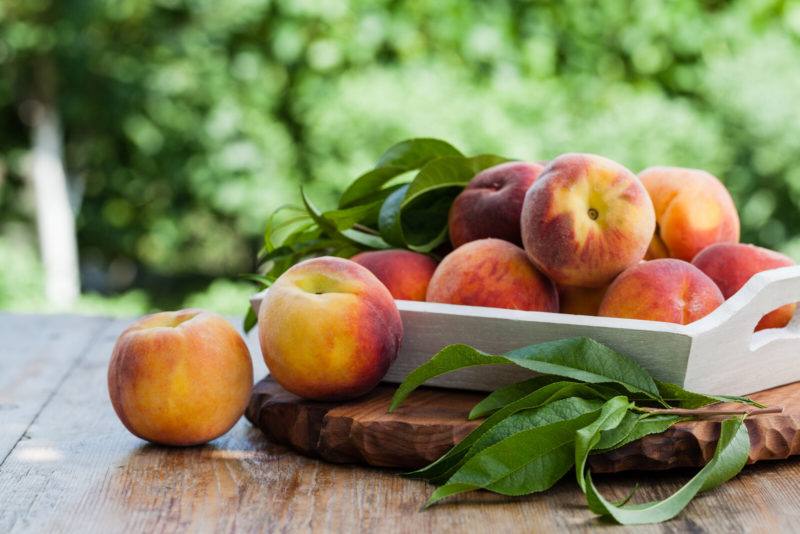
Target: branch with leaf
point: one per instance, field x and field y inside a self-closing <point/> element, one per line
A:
<point x="587" y="399"/>
<point x="402" y="202"/>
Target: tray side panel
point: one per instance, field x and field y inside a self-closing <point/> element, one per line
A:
<point x="663" y="353"/>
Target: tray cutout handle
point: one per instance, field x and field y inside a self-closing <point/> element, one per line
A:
<point x="728" y="358"/>
<point x="764" y="292"/>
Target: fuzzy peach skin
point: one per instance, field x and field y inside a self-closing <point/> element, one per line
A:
<point x="667" y="290"/>
<point x="731" y="265"/>
<point x="180" y="378"/>
<point x="329" y="329"/>
<point x="493" y="273"/>
<point x="404" y="273"/>
<point x="693" y="211"/>
<point x="580" y="300"/>
<point x="585" y="220"/>
<point x="491" y="204"/>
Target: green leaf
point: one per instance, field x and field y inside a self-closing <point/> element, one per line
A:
<point x="389" y="218"/>
<point x="587" y="438"/>
<point x="449" y="172"/>
<point x="550" y="393"/>
<point x="681" y="398"/>
<point x="274" y="227"/>
<point x="643" y="425"/>
<point x="612" y="437"/>
<point x="417" y="217"/>
<point x="398" y="159"/>
<point x="446" y="360"/>
<point x="250" y="319"/>
<point x="580" y="359"/>
<point x="585" y="360"/>
<point x="348" y="236"/>
<point x="508" y="394"/>
<point x="729" y="458"/>
<point x="526" y="462"/>
<point x="559" y="407"/>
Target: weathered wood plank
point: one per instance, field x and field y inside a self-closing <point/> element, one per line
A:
<point x="36" y="353"/>
<point x="78" y="470"/>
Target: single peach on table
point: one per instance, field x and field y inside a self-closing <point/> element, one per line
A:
<point x="404" y="273"/>
<point x="493" y="273"/>
<point x="491" y="204"/>
<point x="693" y="210"/>
<point x="585" y="220"/>
<point x="180" y="378"/>
<point x="329" y="329"/>
<point x="667" y="290"/>
<point x="731" y="265"/>
<point x="580" y="300"/>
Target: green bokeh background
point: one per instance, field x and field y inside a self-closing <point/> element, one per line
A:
<point x="186" y="122"/>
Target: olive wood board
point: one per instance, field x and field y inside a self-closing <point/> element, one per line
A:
<point x="432" y="420"/>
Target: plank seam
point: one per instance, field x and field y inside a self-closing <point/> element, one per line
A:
<point x="104" y="323"/>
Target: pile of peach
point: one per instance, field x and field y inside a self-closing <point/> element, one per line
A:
<point x="584" y="235"/>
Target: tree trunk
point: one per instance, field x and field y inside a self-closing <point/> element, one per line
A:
<point x="54" y="216"/>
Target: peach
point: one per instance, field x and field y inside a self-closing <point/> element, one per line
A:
<point x="693" y="211"/>
<point x="404" y="273"/>
<point x="491" y="203"/>
<point x="495" y="273"/>
<point x="730" y="265"/>
<point x="329" y="329"/>
<point x="585" y="220"/>
<point x="180" y="378"/>
<point x="667" y="290"/>
<point x="580" y="300"/>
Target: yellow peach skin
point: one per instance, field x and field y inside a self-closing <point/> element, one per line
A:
<point x="580" y="300"/>
<point x="667" y="290"/>
<point x="329" y="329"/>
<point x="693" y="211"/>
<point x="585" y="220"/>
<point x="180" y="378"/>
<point x="494" y="273"/>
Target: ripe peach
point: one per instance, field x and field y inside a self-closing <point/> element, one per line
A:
<point x="404" y="273"/>
<point x="668" y="290"/>
<point x="491" y="203"/>
<point x="730" y="265"/>
<point x="693" y="211"/>
<point x="329" y="329"/>
<point x="580" y="300"/>
<point x="494" y="273"/>
<point x="180" y="378"/>
<point x="585" y="220"/>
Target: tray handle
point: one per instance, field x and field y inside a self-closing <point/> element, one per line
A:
<point x="727" y="356"/>
<point x="761" y="294"/>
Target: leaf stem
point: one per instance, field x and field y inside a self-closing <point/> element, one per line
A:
<point x="365" y="229"/>
<point x="700" y="412"/>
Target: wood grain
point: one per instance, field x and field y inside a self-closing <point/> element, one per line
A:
<point x="433" y="420"/>
<point x="35" y="356"/>
<point x="78" y="470"/>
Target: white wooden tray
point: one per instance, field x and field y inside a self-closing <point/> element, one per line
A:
<point x="718" y="354"/>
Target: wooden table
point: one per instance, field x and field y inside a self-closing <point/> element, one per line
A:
<point x="68" y="465"/>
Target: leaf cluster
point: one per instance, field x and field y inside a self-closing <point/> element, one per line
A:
<point x="586" y="399"/>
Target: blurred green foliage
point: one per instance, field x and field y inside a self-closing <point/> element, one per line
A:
<point x="188" y="121"/>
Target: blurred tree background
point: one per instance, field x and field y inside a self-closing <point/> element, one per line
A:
<point x="184" y="123"/>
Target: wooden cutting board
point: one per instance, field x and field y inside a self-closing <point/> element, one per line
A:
<point x="432" y="420"/>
